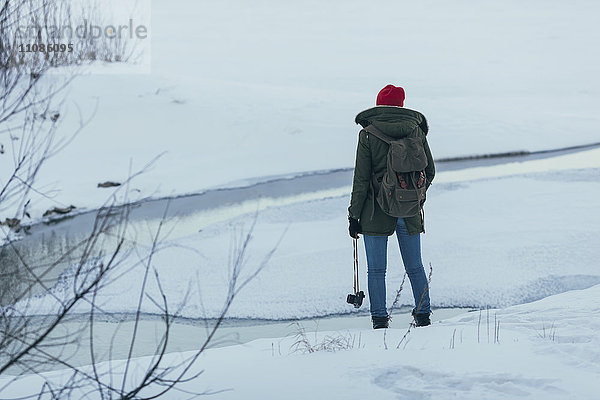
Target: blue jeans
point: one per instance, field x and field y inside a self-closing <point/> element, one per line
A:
<point x="410" y="248"/>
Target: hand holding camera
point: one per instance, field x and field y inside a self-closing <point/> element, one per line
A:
<point x="354" y="228"/>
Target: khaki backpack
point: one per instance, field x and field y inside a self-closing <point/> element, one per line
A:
<point x="401" y="192"/>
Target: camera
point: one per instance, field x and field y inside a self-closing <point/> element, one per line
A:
<point x="356" y="299"/>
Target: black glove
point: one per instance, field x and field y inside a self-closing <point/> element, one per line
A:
<point x="354" y="228"/>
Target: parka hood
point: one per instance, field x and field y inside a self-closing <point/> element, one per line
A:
<point x="396" y="122"/>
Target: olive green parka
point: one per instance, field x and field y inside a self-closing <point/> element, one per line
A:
<point x="371" y="156"/>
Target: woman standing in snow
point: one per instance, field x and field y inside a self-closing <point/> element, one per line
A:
<point x="366" y="216"/>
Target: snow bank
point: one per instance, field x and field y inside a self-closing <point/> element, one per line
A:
<point x="543" y="350"/>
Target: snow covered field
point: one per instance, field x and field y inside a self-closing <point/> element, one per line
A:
<point x="244" y="90"/>
<point x="544" y="350"/>
<point x="491" y="249"/>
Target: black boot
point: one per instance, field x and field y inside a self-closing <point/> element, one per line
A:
<point x="381" y="322"/>
<point x="421" y="319"/>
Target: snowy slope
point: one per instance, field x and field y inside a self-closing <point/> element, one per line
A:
<point x="544" y="350"/>
<point x="243" y="90"/>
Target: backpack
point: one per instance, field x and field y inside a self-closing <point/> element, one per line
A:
<point x="401" y="192"/>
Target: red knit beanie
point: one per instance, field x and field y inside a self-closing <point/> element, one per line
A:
<point x="391" y="96"/>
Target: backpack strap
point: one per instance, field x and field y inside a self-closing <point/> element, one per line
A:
<point x="371" y="129"/>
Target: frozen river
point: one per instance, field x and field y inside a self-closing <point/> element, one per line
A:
<point x="48" y="240"/>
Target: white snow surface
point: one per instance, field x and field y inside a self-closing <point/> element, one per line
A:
<point x="241" y="90"/>
<point x="548" y="349"/>
<point x="244" y="90"/>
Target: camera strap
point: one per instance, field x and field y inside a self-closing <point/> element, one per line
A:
<point x="355" y="241"/>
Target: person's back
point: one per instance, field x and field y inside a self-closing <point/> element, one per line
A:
<point x="366" y="215"/>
